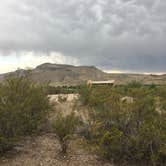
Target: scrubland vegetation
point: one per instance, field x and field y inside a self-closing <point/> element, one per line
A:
<point x="63" y="89"/>
<point x="126" y="124"/>
<point x="132" y="131"/>
<point x="64" y="127"/>
<point x="23" y="109"/>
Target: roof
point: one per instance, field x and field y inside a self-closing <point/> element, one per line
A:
<point x="103" y="82"/>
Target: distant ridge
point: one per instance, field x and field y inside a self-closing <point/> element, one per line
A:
<point x="62" y="74"/>
<point x="68" y="74"/>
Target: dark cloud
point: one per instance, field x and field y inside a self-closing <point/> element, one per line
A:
<point x="112" y="34"/>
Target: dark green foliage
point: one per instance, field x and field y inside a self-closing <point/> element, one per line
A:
<point x="64" y="127"/>
<point x="110" y="144"/>
<point x="63" y="89"/>
<point x="23" y="108"/>
<point x="134" y="84"/>
<point x="85" y="92"/>
<point x="128" y="131"/>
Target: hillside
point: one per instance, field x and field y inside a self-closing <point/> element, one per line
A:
<point x="58" y="74"/>
<point x="67" y="74"/>
<point x="63" y="74"/>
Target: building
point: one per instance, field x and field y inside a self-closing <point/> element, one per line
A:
<point x="108" y="82"/>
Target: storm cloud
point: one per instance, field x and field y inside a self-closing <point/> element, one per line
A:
<point x="111" y="34"/>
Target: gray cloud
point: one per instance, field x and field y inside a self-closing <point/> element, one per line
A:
<point x="112" y="34"/>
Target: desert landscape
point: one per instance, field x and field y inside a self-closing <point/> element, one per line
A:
<point x="83" y="83"/>
<point x="44" y="149"/>
<point x="68" y="75"/>
<point x="92" y="126"/>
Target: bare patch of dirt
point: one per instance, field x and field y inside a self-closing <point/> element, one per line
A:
<point x="44" y="151"/>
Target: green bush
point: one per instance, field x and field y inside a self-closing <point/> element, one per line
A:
<point x="110" y="144"/>
<point x="85" y="93"/>
<point x="64" y="127"/>
<point x="132" y="132"/>
<point x="62" y="89"/>
<point x="23" y="108"/>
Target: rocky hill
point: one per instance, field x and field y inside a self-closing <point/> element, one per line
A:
<point x="58" y="74"/>
<point x="63" y="74"/>
<point x="66" y="74"/>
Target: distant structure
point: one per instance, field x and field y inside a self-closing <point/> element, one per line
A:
<point x="109" y="82"/>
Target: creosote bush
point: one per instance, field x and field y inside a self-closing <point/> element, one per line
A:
<point x="23" y="109"/>
<point x="133" y="132"/>
<point x="64" y="127"/>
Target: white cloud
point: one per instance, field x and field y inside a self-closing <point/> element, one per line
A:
<point x="24" y="60"/>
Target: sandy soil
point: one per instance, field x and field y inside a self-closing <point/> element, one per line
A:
<point x="44" y="151"/>
<point x="69" y="97"/>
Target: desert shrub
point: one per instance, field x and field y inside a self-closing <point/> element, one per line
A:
<point x="62" y="99"/>
<point x="23" y="108"/>
<point x="62" y="89"/>
<point x="132" y="132"/>
<point x="94" y="96"/>
<point x="110" y="144"/>
<point x="134" y="84"/>
<point x="64" y="127"/>
<point x="85" y="93"/>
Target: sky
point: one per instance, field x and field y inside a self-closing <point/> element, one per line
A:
<point x="114" y="35"/>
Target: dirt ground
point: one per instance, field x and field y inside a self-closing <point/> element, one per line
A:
<point x="44" y="150"/>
